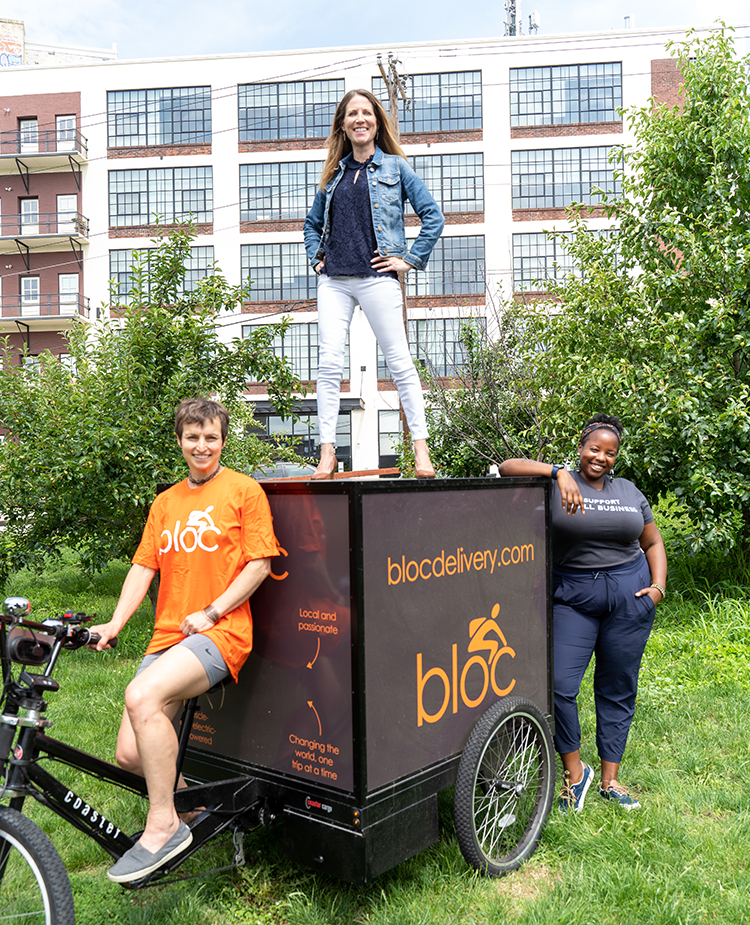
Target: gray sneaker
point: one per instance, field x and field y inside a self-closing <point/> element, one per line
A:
<point x="137" y="862"/>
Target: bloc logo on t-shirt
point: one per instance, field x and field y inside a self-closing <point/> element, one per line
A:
<point x="193" y="535"/>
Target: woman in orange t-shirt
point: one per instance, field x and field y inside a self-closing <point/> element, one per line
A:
<point x="211" y="539"/>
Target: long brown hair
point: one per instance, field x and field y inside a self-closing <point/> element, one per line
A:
<point x="339" y="145"/>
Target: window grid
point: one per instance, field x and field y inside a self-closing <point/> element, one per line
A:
<point x="199" y="265"/>
<point x="307" y="429"/>
<point x="137" y="197"/>
<point x="456" y="267"/>
<point x="539" y="258"/>
<point x="279" y="272"/>
<point x="271" y="192"/>
<point x="434" y="343"/>
<point x="389" y="436"/>
<point x="562" y="95"/>
<point x="456" y="181"/>
<point x="554" y="178"/>
<point x="300" y="346"/>
<point x="171" y="115"/>
<point x="299" y="109"/>
<point x="438" y="102"/>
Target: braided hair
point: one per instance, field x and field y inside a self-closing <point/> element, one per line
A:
<point x="602" y="422"/>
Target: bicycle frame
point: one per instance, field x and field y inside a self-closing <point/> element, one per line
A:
<point x="234" y="803"/>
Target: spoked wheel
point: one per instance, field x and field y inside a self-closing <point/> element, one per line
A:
<point x="34" y="885"/>
<point x="504" y="786"/>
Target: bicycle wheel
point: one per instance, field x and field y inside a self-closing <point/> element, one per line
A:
<point x="34" y="885"/>
<point x="504" y="786"/>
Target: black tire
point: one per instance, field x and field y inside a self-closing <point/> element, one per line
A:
<point x="504" y="787"/>
<point x="34" y="885"/>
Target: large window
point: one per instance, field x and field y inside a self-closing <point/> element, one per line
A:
<point x="306" y="430"/>
<point x="456" y="267"/>
<point x="539" y="257"/>
<point x="300" y="346"/>
<point x="536" y="258"/>
<point x="172" y="115"/>
<point x="456" y="181"/>
<point x="389" y="438"/>
<point x="138" y="197"/>
<point x="197" y="266"/>
<point x="559" y="95"/>
<point x="271" y="192"/>
<point x="279" y="272"/>
<point x="302" y="109"/>
<point x="438" y="102"/>
<point x="435" y="344"/>
<point x="555" y="178"/>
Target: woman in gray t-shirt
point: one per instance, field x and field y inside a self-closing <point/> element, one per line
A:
<point x="609" y="568"/>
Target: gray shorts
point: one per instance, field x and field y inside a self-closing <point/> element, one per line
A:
<point x="205" y="650"/>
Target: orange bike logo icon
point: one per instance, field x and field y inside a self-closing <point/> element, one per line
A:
<point x="485" y="637"/>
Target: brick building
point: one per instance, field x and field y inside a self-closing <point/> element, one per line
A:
<point x="505" y="132"/>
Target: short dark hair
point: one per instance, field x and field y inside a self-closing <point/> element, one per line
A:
<point x="602" y="422"/>
<point x="198" y="411"/>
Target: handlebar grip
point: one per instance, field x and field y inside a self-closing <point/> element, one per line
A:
<point x="93" y="638"/>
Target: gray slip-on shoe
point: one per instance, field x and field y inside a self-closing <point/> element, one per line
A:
<point x="137" y="862"/>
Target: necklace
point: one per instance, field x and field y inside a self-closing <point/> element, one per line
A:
<point x="208" y="478"/>
<point x="359" y="167"/>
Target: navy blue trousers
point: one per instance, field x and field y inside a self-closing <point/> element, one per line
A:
<point x="597" y="613"/>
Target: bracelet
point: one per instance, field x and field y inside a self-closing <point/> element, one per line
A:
<point x="211" y="613"/>
<point x="555" y="470"/>
<point x="658" y="588"/>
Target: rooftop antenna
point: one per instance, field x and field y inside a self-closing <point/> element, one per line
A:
<point x="535" y="20"/>
<point x="513" y="21"/>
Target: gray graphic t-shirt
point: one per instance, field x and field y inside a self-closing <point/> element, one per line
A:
<point x="606" y="535"/>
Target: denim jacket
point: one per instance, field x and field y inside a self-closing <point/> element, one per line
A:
<point x="391" y="181"/>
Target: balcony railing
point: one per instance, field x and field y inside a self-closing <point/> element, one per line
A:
<point x="44" y="223"/>
<point x="52" y="141"/>
<point x="52" y="305"/>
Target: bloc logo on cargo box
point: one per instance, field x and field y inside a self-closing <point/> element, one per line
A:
<point x="487" y="654"/>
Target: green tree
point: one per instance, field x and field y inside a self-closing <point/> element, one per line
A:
<point x="654" y="325"/>
<point x="89" y="439"/>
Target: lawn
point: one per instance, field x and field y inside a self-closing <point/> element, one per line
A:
<point x="682" y="859"/>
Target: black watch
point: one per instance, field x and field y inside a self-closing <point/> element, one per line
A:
<point x="555" y="470"/>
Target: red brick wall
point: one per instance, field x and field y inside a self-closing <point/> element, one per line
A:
<point x="421" y="138"/>
<point x="158" y="150"/>
<point x="249" y="227"/>
<point x="451" y="218"/>
<point x="543" y="215"/>
<point x="45" y="107"/>
<point x="573" y="128"/>
<point x="39" y="341"/>
<point x="47" y="265"/>
<point x="665" y="82"/>
<point x="150" y="231"/>
<point x="272" y="308"/>
<point x="283" y="144"/>
<point x="43" y="186"/>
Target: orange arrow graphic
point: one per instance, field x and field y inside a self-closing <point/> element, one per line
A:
<point x="312" y="707"/>
<point x="310" y="664"/>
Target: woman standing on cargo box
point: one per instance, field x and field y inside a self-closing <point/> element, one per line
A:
<point x="356" y="243"/>
<point x="609" y="573"/>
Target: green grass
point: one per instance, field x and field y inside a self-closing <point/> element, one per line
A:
<point x="682" y="859"/>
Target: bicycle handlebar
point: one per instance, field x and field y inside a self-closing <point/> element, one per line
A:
<point x="91" y="639"/>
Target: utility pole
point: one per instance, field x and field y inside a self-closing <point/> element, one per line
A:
<point x="395" y="85"/>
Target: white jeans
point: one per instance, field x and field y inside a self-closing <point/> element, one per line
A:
<point x="381" y="302"/>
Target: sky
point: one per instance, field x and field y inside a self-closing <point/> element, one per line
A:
<point x="168" y="28"/>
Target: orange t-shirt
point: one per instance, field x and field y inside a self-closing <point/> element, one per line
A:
<point x="200" y="539"/>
